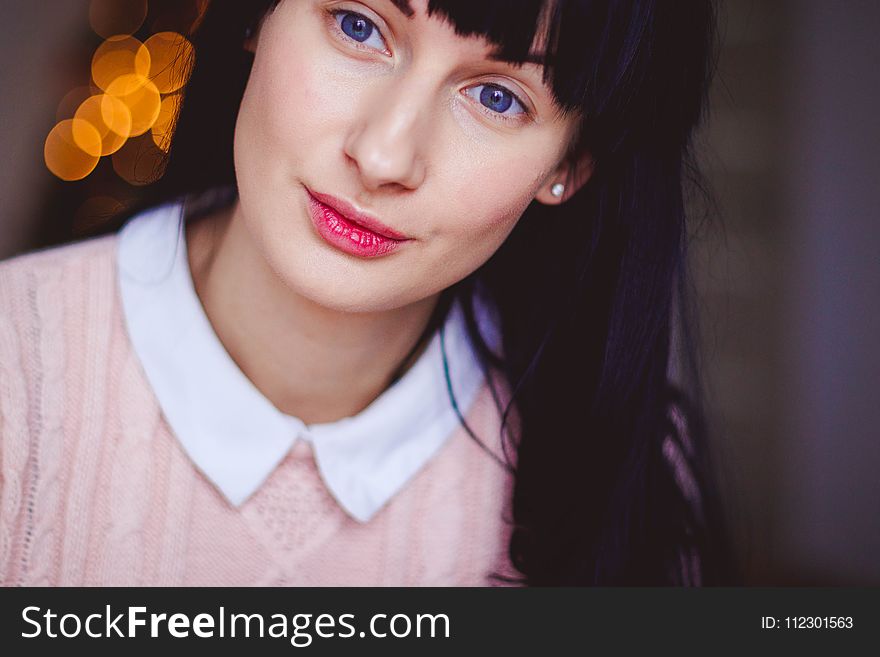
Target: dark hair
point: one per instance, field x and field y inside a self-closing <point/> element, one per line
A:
<point x="586" y="322"/>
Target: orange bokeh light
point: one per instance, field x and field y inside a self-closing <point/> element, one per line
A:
<point x="139" y="162"/>
<point x="119" y="56"/>
<point x="125" y="100"/>
<point x="112" y="17"/>
<point x="110" y="117"/>
<point x="71" y="102"/>
<point x="163" y="129"/>
<point x="171" y="58"/>
<point x="142" y="99"/>
<point x="72" y="158"/>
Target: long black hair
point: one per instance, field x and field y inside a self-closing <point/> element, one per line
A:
<point x="612" y="478"/>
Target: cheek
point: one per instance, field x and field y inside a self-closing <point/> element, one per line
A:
<point x="490" y="194"/>
<point x="490" y="178"/>
<point x="287" y="108"/>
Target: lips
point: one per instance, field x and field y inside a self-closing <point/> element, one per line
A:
<point x="339" y="224"/>
<point x="352" y="216"/>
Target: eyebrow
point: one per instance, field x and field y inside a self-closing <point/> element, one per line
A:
<point x="404" y="7"/>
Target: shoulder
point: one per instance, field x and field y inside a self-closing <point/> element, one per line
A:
<point x="48" y="298"/>
<point x="39" y="288"/>
<point x="24" y="273"/>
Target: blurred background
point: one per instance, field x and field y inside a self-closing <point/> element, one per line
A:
<point x="788" y="276"/>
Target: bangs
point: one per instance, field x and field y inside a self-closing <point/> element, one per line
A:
<point x="564" y="36"/>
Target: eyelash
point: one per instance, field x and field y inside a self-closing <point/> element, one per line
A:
<point x="514" y="118"/>
<point x="337" y="13"/>
<point x="334" y="16"/>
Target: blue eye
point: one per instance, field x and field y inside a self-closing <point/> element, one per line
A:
<point x="498" y="99"/>
<point x="356" y="26"/>
<point x="359" y="28"/>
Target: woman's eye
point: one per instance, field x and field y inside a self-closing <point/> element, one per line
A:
<point x="497" y="98"/>
<point x="360" y="29"/>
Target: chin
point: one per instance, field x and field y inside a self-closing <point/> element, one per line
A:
<point x="344" y="291"/>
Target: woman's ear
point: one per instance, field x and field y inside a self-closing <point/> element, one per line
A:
<point x="565" y="181"/>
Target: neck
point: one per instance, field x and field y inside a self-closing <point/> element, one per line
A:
<point x="312" y="362"/>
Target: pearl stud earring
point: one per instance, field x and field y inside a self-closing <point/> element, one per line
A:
<point x="557" y="190"/>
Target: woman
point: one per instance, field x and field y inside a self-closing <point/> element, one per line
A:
<point x="399" y="312"/>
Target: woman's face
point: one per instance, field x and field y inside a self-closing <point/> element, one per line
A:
<point x="397" y="118"/>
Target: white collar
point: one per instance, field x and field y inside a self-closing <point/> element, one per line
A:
<point x="236" y="436"/>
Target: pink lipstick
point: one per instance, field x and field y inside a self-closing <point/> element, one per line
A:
<point x="344" y="227"/>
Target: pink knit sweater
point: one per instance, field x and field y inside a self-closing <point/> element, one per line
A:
<point x="96" y="490"/>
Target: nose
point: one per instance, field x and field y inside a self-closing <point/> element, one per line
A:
<point x="388" y="139"/>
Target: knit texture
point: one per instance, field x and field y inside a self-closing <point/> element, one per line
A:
<point x="96" y="490"/>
